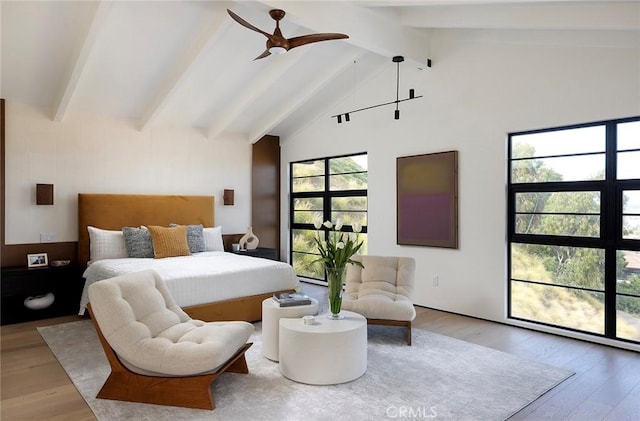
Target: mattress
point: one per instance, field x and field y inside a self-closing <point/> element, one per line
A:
<point x="201" y="278"/>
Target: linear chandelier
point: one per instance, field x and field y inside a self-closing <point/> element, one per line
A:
<point x="412" y="95"/>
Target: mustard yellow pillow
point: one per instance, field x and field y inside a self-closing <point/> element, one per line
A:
<point x="169" y="242"/>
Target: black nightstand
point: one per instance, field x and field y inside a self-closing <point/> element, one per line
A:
<point x="19" y="283"/>
<point x="265" y="253"/>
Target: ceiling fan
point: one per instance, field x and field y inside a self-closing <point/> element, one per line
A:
<point x="277" y="43"/>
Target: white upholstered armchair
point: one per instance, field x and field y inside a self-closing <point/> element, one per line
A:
<point x="382" y="291"/>
<point x="157" y="353"/>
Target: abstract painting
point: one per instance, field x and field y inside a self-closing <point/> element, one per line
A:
<point x="427" y="200"/>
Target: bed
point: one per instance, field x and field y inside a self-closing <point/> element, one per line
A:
<point x="210" y="286"/>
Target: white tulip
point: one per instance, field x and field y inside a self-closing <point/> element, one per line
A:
<point x="317" y="224"/>
<point x="338" y="224"/>
<point x="340" y="245"/>
<point x="357" y="227"/>
<point x="328" y="224"/>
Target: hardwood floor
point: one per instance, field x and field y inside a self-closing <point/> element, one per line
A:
<point x="606" y="386"/>
<point x="33" y="385"/>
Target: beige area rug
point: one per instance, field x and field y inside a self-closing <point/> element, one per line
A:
<point x="436" y="378"/>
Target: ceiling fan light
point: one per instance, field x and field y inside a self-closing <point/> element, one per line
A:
<point x="277" y="50"/>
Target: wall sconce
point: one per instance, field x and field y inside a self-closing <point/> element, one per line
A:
<point x="44" y="194"/>
<point x="227" y="197"/>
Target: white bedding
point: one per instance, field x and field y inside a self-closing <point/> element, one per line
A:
<point x="202" y="277"/>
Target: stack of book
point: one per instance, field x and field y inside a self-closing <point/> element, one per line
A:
<point x="292" y="299"/>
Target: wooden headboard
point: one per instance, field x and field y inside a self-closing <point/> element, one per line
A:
<point x="114" y="211"/>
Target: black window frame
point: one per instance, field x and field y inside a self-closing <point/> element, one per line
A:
<point x="327" y="194"/>
<point x="611" y="229"/>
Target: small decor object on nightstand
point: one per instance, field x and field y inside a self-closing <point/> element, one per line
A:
<point x="37" y="260"/>
<point x="39" y="302"/>
<point x="59" y="263"/>
<point x="249" y="241"/>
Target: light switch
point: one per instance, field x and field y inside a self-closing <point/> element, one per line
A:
<point x="47" y="237"/>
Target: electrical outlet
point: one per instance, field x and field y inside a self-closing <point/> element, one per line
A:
<point x="436" y="280"/>
<point x="47" y="237"/>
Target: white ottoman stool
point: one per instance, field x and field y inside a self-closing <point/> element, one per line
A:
<point x="271" y="315"/>
<point x="326" y="352"/>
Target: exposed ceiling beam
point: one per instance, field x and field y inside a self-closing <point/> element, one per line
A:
<point x="276" y="68"/>
<point x="316" y="84"/>
<point x="544" y="16"/>
<point x="418" y="3"/>
<point x="216" y="27"/>
<point x="369" y="29"/>
<point x="95" y="25"/>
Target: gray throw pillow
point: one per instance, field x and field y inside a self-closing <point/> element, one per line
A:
<point x="138" y="242"/>
<point x="195" y="238"/>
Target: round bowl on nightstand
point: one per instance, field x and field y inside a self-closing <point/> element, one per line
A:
<point x="39" y="301"/>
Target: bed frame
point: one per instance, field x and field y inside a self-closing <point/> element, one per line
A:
<point x="114" y="211"/>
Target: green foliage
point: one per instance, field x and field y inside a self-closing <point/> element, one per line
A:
<point x="527" y="266"/>
<point x="308" y="169"/>
<point x="558" y="306"/>
<point x="306" y="211"/>
<point x="583" y="267"/>
<point x="348" y="165"/>
<point x="574" y="202"/>
<point x="529" y="202"/>
<point x="336" y="166"/>
<point x="530" y="170"/>
<point x="631" y="286"/>
<point x="345" y="174"/>
<point x="305" y="263"/>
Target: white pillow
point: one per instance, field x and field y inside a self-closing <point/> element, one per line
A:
<point x="106" y="244"/>
<point x="213" y="239"/>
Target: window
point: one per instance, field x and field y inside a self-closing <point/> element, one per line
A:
<point x="574" y="228"/>
<point x="325" y="189"/>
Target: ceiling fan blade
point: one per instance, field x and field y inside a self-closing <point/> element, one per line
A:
<point x="308" y="39"/>
<point x="263" y="55"/>
<point x="247" y="24"/>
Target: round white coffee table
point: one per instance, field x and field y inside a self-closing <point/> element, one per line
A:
<point x="271" y="315"/>
<point x="326" y="352"/>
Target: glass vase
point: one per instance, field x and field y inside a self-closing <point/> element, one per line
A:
<point x="335" y="277"/>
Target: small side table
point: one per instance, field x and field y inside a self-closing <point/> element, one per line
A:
<point x="326" y="352"/>
<point x="271" y="315"/>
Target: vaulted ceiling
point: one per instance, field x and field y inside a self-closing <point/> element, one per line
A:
<point x="188" y="63"/>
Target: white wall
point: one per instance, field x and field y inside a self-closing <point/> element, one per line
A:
<point x="476" y="92"/>
<point x="93" y="154"/>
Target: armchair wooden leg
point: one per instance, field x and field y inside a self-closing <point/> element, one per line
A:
<point x="384" y="322"/>
<point x="189" y="392"/>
